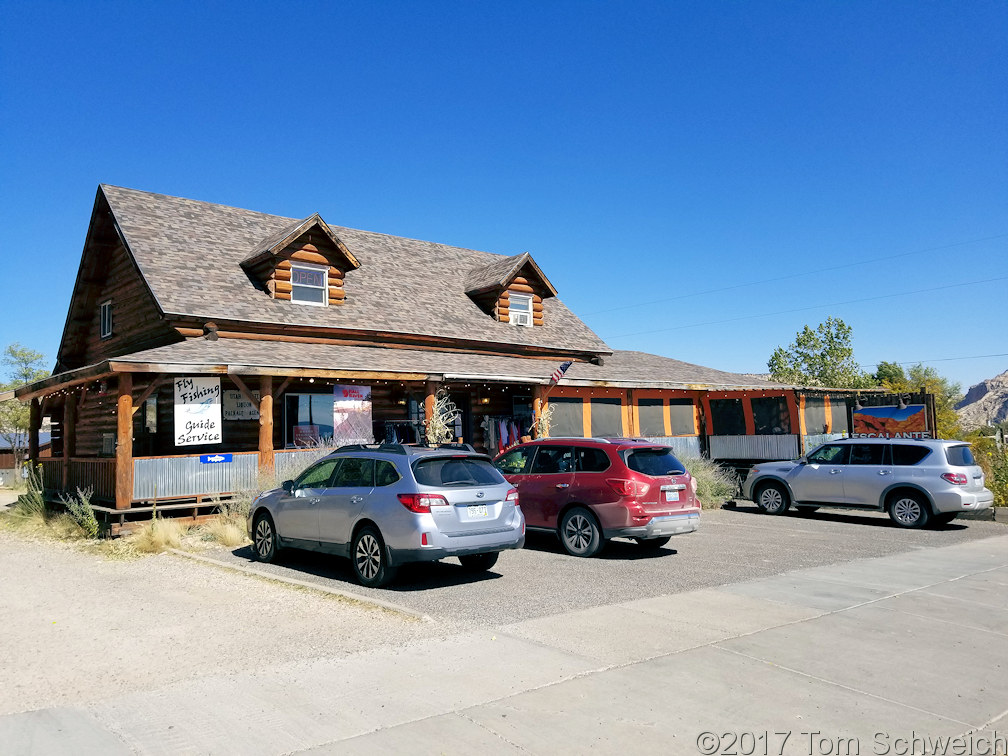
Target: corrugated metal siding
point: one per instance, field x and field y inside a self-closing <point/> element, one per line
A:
<point x="169" y="477"/>
<point x="683" y="446"/>
<point x="783" y="446"/>
<point x="289" y="464"/>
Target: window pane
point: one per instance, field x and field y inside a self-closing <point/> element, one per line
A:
<point x="606" y="418"/>
<point x="445" y="471"/>
<point x="514" y="462"/>
<point x="771" y="415"/>
<point x="831" y="454"/>
<point x="568" y="417"/>
<point x="318" y="475"/>
<point x="815" y="415"/>
<point x="553" y="459"/>
<point x="591" y="460"/>
<point x="727" y="417"/>
<point x="355" y="473"/>
<point x="655" y="462"/>
<point x="307" y="294"/>
<point x="905" y="454"/>
<point x="651" y="413"/>
<point x="838" y="411"/>
<point x="960" y="456"/>
<point x="682" y="417"/>
<point x="385" y="473"/>
<point x="518" y="303"/>
<point x="866" y="454"/>
<point x="307" y="277"/>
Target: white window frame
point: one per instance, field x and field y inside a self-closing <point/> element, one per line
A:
<point x="324" y="270"/>
<point x="105" y="318"/>
<point x="527" y="299"/>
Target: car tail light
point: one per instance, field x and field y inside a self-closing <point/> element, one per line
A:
<point x="958" y="479"/>
<point x="512" y="496"/>
<point x="421" y="503"/>
<point x="693" y="484"/>
<point x="628" y="487"/>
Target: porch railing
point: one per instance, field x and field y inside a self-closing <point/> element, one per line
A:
<point x="176" y="477"/>
<point x="784" y="446"/>
<point x="96" y="473"/>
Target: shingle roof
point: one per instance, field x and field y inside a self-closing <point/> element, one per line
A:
<point x="498" y="274"/>
<point x="190" y="254"/>
<point x="636" y="369"/>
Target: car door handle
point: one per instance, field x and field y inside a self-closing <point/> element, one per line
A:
<point x="315" y="501"/>
<point x="885" y="472"/>
<point x="563" y="485"/>
<point x="356" y="499"/>
<point x="834" y="471"/>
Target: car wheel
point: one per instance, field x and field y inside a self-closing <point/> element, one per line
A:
<point x="653" y="544"/>
<point x="264" y="538"/>
<point x="478" y="562"/>
<point x="908" y="510"/>
<point x="772" y="499"/>
<point x="370" y="562"/>
<point x="943" y="518"/>
<point x="580" y="533"/>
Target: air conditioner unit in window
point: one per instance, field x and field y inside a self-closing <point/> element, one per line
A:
<point x="521" y="318"/>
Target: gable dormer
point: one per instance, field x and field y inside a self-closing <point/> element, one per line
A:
<point x="511" y="289"/>
<point x="303" y="263"/>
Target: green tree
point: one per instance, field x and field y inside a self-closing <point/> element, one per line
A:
<point x="23" y="366"/>
<point x="889" y="373"/>
<point x="947" y="393"/>
<point x="820" y="357"/>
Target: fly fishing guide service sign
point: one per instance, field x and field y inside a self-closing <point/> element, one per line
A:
<point x="197" y="411"/>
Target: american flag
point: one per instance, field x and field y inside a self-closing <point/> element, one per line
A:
<point x="558" y="373"/>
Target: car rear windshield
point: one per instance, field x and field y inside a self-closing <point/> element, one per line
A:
<point x="456" y="471"/>
<point x="654" y="462"/>
<point x="960" y="456"/>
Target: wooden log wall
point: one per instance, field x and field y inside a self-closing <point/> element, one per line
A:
<point x="519" y="286"/>
<point x="307" y="250"/>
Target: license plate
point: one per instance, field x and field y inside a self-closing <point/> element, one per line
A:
<point x="671" y="496"/>
<point x="478" y="510"/>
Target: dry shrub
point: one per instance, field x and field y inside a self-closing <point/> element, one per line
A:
<point x="227" y="531"/>
<point x="157" y="535"/>
<point x="715" y="484"/>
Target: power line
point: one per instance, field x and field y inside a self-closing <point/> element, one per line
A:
<point x="808" y="272"/>
<point x="944" y="359"/>
<point x="812" y="307"/>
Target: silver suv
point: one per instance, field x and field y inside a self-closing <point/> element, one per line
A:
<point x="915" y="481"/>
<point x="386" y="505"/>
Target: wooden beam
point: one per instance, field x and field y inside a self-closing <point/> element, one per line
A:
<point x="69" y="437"/>
<point x="428" y="405"/>
<point x="245" y="390"/>
<point x="279" y="391"/>
<point x="154" y="385"/>
<point x="124" y="443"/>
<point x="266" y="457"/>
<point x="34" y="423"/>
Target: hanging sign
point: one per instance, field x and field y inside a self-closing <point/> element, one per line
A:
<point x="352" y="415"/>
<point x="214" y="459"/>
<point x="237" y="407"/>
<point x="890" y="422"/>
<point x="197" y="411"/>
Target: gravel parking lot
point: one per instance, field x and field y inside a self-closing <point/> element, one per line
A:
<point x="732" y="545"/>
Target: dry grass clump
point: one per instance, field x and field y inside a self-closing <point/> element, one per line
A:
<point x="157" y="535"/>
<point x="226" y="530"/>
<point x="715" y="484"/>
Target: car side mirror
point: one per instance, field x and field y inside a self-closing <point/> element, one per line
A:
<point x="288" y="486"/>
<point x="801" y="461"/>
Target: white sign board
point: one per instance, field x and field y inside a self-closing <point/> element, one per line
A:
<point x="352" y="415"/>
<point x="197" y="411"/>
<point x="237" y="407"/>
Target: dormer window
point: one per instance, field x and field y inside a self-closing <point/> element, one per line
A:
<point x="105" y="318"/>
<point x="309" y="284"/>
<point x="520" y="310"/>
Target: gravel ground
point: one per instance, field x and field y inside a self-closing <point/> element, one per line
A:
<point x="78" y="628"/>
<point x="731" y="546"/>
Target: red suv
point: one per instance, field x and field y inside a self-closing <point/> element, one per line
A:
<point x="588" y="490"/>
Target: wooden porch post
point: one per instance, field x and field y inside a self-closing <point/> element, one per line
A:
<point x="537" y="407"/>
<point x="124" y="443"/>
<point x="34" y="423"/>
<point x="69" y="436"/>
<point x="266" y="425"/>
<point x="428" y="405"/>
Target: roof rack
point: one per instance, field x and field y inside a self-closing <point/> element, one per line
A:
<point x="404" y="448"/>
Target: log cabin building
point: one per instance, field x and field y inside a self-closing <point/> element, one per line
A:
<point x="180" y="304"/>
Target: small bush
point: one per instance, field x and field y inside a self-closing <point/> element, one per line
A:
<point x="30" y="505"/>
<point x="157" y="535"/>
<point x="78" y="507"/>
<point x="715" y="484"/>
<point x="227" y="531"/>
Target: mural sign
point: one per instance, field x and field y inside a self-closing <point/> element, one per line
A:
<point x="197" y="411"/>
<point x="237" y="407"/>
<point x="352" y="415"/>
<point x="890" y="422"/>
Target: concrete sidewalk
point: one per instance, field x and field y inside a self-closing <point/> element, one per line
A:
<point x="872" y="657"/>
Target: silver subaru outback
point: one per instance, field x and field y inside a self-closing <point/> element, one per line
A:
<point x="916" y="481"/>
<point x="387" y="505"/>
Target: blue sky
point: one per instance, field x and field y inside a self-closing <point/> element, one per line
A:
<point x="698" y="180"/>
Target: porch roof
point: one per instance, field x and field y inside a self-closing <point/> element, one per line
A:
<point x="622" y="369"/>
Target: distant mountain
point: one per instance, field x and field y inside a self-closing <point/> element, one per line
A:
<point x="985" y="404"/>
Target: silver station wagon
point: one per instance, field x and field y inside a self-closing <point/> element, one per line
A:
<point x="916" y="481"/>
<point x="387" y="505"/>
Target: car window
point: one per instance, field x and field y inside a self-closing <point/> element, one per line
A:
<point x="515" y="461"/>
<point x="588" y="459"/>
<point x="318" y="475"/>
<point x="355" y="472"/>
<point x="654" y="462"/>
<point x="867" y="454"/>
<point x="553" y="459"/>
<point x="960" y="456"/>
<point x="385" y="473"/>
<point x="830" y="454"/>
<point x="908" y="454"/>
<point x="456" y="471"/>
